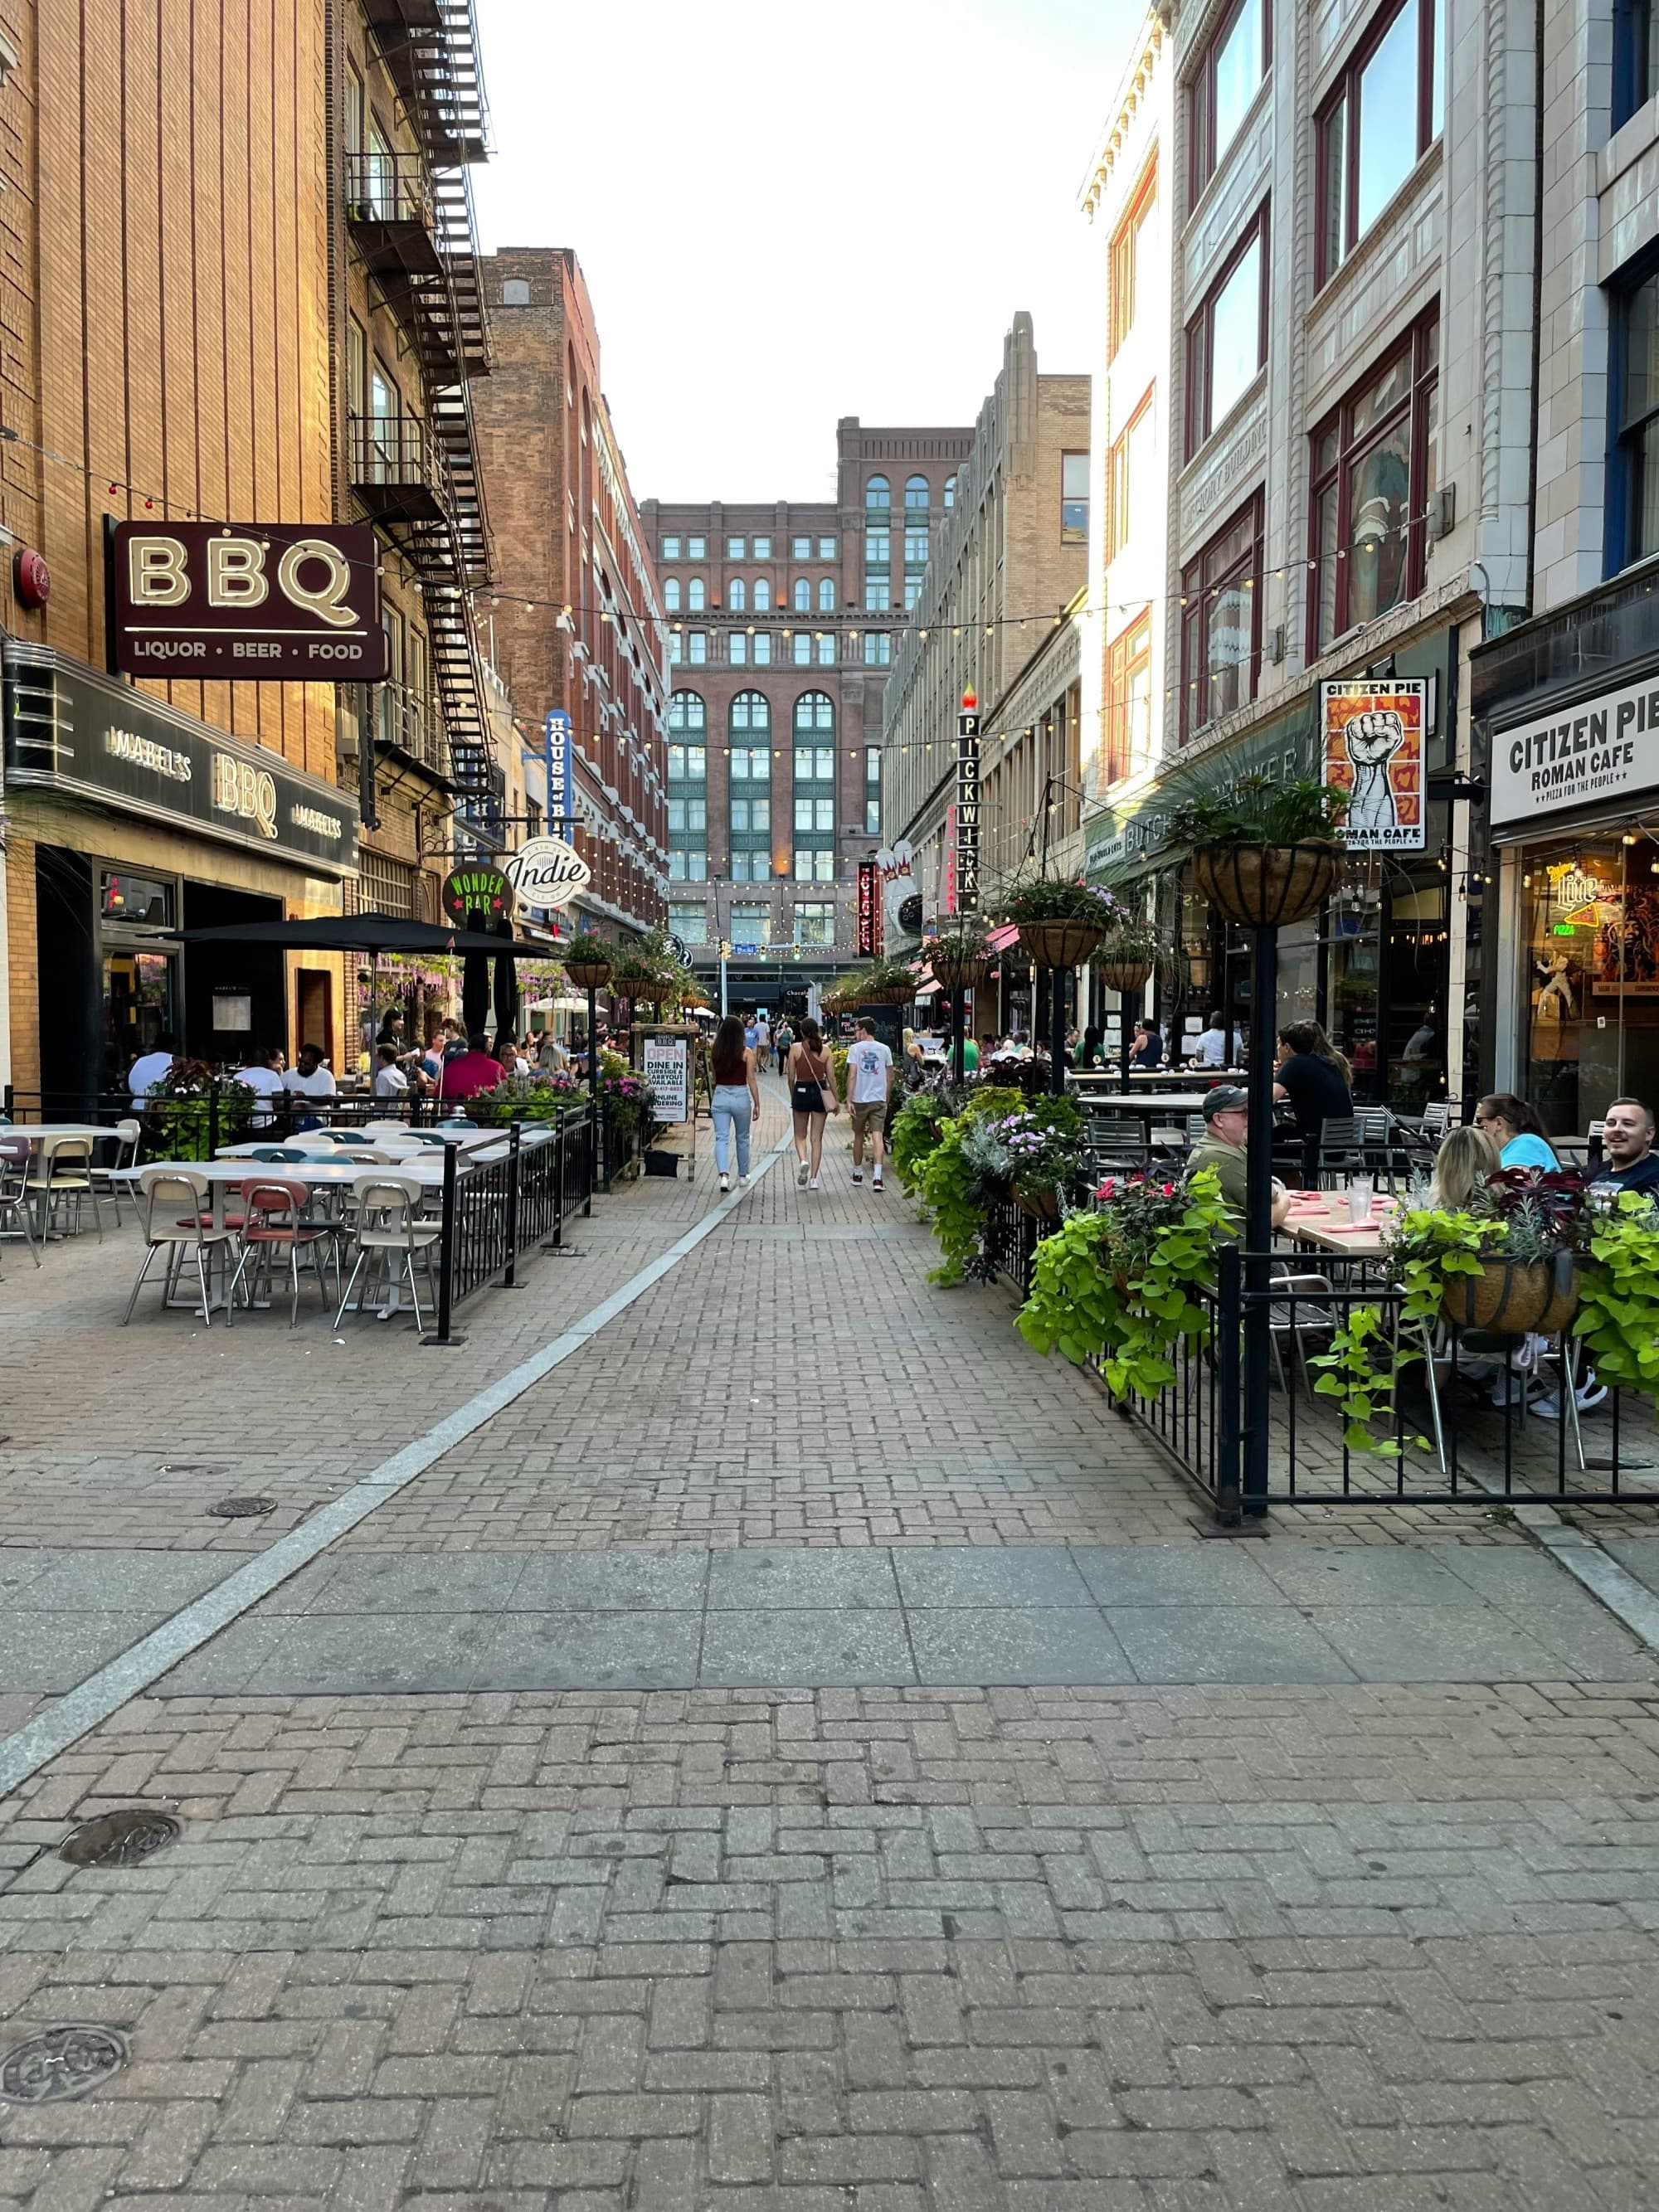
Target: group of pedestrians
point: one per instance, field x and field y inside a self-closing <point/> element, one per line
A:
<point x="808" y="1067"/>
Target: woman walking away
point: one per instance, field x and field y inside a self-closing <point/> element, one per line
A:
<point x="810" y="1074"/>
<point x="736" y="1103"/>
<point x="1515" y="1128"/>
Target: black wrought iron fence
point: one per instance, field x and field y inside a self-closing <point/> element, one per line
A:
<point x="496" y="1210"/>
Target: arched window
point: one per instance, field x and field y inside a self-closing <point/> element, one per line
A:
<point x="671" y="595"/>
<point x="696" y="595"/>
<point x="737" y="595"/>
<point x="950" y="491"/>
<point x="515" y="293"/>
<point x="762" y="594"/>
<point x="815" y="711"/>
<point x="750" y="714"/>
<point x="687" y="717"/>
<point x="916" y="493"/>
<point x="803" y="596"/>
<point x="878" y="493"/>
<point x="826" y="595"/>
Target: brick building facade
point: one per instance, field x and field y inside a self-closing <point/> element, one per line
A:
<point x="782" y="619"/>
<point x="575" y="615"/>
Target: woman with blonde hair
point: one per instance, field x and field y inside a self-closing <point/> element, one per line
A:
<point x="1466" y="1158"/>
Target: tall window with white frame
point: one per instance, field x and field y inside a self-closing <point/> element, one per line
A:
<point x="688" y="788"/>
<point x="749" y="781"/>
<point x="815" y="788"/>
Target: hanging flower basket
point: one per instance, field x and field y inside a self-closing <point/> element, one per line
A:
<point x="1040" y="1205"/>
<point x="1265" y="886"/>
<point x="588" y="975"/>
<point x="886" y="995"/>
<point x="1059" y="944"/>
<point x="961" y="974"/>
<point x="1507" y="1299"/>
<point x="1127" y="975"/>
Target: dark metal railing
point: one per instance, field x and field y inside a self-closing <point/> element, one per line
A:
<point x="496" y="1210"/>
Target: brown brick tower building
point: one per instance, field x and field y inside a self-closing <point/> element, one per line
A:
<point x="782" y="624"/>
<point x="576" y="620"/>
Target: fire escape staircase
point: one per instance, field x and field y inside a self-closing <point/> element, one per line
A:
<point x="430" y="48"/>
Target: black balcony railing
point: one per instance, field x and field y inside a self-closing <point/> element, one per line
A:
<point x="411" y="722"/>
<point x="392" y="209"/>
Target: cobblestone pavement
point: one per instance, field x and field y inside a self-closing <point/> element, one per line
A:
<point x="1179" y="1932"/>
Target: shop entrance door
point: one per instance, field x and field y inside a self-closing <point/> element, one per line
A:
<point x="1590" y="945"/>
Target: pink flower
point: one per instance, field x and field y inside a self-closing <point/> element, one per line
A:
<point x="1168" y="1190"/>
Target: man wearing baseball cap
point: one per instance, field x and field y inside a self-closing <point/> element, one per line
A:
<point x="1222" y="1147"/>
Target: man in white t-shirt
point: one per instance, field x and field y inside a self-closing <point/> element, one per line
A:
<point x="762" y="1044"/>
<point x="1210" y="1048"/>
<point x="149" y="1068"/>
<point x="869" y="1087"/>
<point x="308" y="1075"/>
<point x="262" y="1076"/>
<point x="389" y="1081"/>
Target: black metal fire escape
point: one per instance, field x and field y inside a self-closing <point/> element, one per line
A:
<point x="420" y="480"/>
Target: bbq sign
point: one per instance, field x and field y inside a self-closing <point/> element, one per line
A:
<point x="255" y="602"/>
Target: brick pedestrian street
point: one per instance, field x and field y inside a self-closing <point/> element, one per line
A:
<point x="797" y="1755"/>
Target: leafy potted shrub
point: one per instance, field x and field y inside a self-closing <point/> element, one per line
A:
<point x="886" y="983"/>
<point x="1040" y="1148"/>
<point x="1618" y="1310"/>
<point x="960" y="958"/>
<point x="961" y="1179"/>
<point x="541" y="1098"/>
<point x="587" y="960"/>
<point x="1263" y="853"/>
<point x="916" y="1127"/>
<point x="1060" y="918"/>
<point x="1124" y="1285"/>
<point x="179" y="1119"/>
<point x="1128" y="952"/>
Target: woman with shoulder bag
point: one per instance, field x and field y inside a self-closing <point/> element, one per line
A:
<point x="812" y="1075"/>
<point x="735" y="1102"/>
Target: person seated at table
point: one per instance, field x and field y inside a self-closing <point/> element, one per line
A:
<point x="1088" y="1052"/>
<point x="551" y="1057"/>
<point x="470" y="1072"/>
<point x="1212" y="1045"/>
<point x="1515" y="1128"/>
<point x="1324" y="1050"/>
<point x="1314" y="1086"/>
<point x="1146" y="1046"/>
<point x="1630" y="1162"/>
<point x="1465" y="1160"/>
<point x="151" y="1068"/>
<point x="389" y="1081"/>
<point x="308" y="1075"/>
<point x="263" y="1076"/>
<point x="1223" y="1147"/>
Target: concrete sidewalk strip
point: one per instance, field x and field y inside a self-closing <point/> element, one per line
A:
<point x="807" y="1619"/>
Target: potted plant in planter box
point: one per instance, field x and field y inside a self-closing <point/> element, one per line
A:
<point x="1263" y="853"/>
<point x="886" y="983"/>
<point x="1041" y="1149"/>
<point x="1060" y="918"/>
<point x="1128" y="952"/>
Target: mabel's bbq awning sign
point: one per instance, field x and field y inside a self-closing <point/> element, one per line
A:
<point x="252" y="603"/>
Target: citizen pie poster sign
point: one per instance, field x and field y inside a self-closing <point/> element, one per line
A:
<point x="1372" y="736"/>
<point x="249" y="602"/>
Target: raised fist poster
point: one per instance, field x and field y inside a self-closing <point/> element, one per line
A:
<point x="1373" y="750"/>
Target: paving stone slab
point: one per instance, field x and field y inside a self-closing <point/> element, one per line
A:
<point x="991" y="1645"/>
<point x="1357" y="1574"/>
<point x="841" y="1649"/>
<point x="1230" y="1643"/>
<point x="1172" y="1574"/>
<point x="635" y="1651"/>
<point x="609" y="1582"/>
<point x="792" y="1580"/>
<point x="1438" y="1644"/>
<point x="451" y="1582"/>
<point x="325" y="1654"/>
<point x="56" y="1650"/>
<point x="1034" y="1574"/>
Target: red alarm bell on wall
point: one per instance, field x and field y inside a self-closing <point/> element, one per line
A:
<point x="30" y="578"/>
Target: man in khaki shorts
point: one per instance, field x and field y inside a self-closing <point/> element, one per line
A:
<point x="869" y="1088"/>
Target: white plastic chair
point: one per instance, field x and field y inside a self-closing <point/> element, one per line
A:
<point x="64" y="1177"/>
<point x="125" y="1155"/>
<point x="162" y="1192"/>
<point x="389" y="1233"/>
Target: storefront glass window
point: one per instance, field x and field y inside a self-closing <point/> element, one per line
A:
<point x="1590" y="938"/>
<point x="140" y="1006"/>
<point x="135" y="898"/>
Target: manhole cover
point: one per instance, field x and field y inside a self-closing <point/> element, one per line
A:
<point x="119" y="1839"/>
<point x="63" y="2063"/>
<point x="243" y="1508"/>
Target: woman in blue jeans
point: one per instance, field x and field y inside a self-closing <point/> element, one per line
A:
<point x="736" y="1100"/>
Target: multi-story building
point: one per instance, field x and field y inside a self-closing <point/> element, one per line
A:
<point x="405" y="100"/>
<point x="168" y="356"/>
<point x="576" y="616"/>
<point x="1010" y="562"/>
<point x="783" y="626"/>
<point x="1567" y="705"/>
<point x="1349" y="412"/>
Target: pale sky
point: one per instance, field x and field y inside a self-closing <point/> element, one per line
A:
<point x="786" y="216"/>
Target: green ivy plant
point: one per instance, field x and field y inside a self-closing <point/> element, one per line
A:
<point x="1618" y="1295"/>
<point x="916" y="1129"/>
<point x="953" y="1192"/>
<point x="1098" y="1294"/>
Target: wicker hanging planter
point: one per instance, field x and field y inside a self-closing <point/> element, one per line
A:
<point x="961" y="974"/>
<point x="1126" y="975"/>
<point x="887" y="994"/>
<point x="1507" y="1300"/>
<point x="1267" y="886"/>
<point x="588" y="975"/>
<point x="1059" y="944"/>
<point x="1040" y="1205"/>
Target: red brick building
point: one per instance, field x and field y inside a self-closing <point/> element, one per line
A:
<point x="575" y="614"/>
<point x="781" y="628"/>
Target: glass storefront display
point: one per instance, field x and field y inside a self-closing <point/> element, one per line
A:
<point x="140" y="1006"/>
<point x="1590" y="953"/>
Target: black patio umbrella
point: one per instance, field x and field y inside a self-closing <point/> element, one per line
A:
<point x="370" y="935"/>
